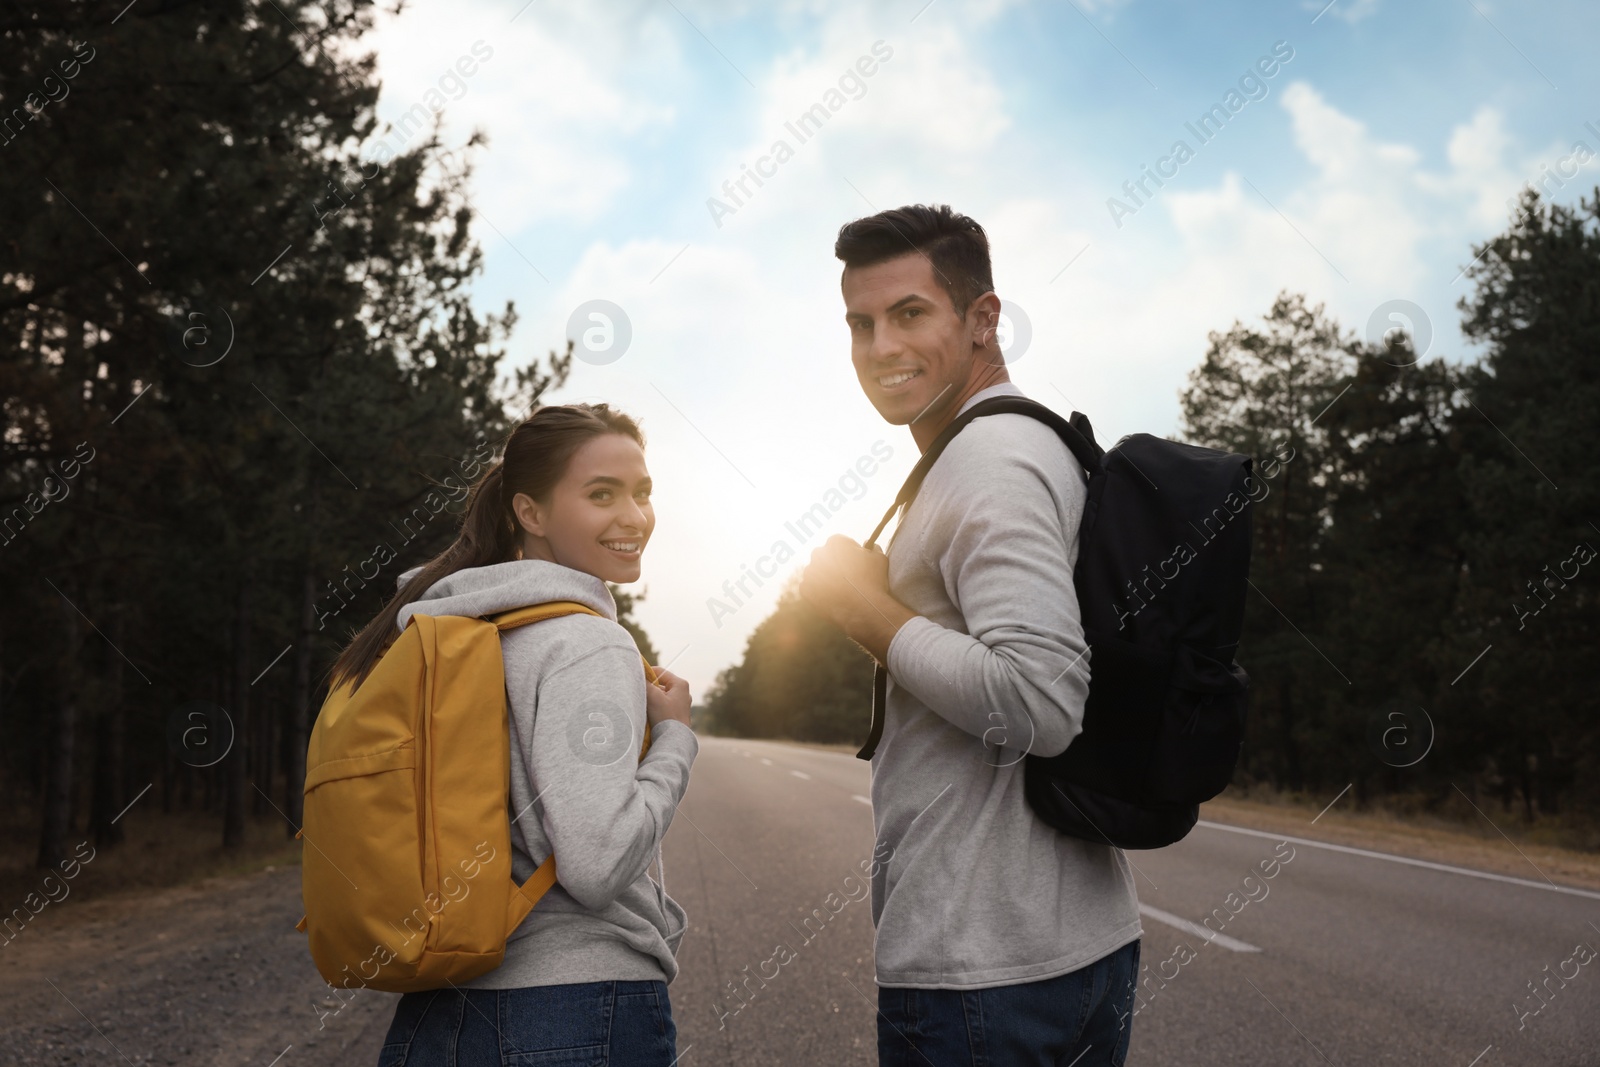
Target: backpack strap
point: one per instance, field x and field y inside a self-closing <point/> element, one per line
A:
<point x="530" y="892"/>
<point x="510" y="620"/>
<point x="1076" y="433"/>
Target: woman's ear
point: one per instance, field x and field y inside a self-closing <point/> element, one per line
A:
<point x="530" y="515"/>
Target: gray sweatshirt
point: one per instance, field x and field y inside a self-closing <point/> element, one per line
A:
<point x="979" y="891"/>
<point x="577" y="701"/>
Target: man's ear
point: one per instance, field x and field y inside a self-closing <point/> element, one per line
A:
<point x="530" y="515"/>
<point x="985" y="315"/>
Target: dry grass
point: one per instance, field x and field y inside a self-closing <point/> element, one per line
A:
<point x="158" y="851"/>
<point x="1466" y="838"/>
<point x="820" y="746"/>
<point x="827" y="746"/>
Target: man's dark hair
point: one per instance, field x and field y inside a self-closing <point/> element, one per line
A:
<point x="954" y="244"/>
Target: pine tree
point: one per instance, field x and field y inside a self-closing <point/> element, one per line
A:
<point x="240" y="357"/>
<point x="1265" y="392"/>
<point x="1530" y="605"/>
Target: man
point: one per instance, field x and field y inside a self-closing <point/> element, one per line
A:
<point x="999" y="940"/>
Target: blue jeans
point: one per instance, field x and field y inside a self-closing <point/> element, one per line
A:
<point x="1079" y="1019"/>
<point x="627" y="1024"/>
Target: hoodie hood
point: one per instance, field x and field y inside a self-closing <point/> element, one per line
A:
<point x="474" y="591"/>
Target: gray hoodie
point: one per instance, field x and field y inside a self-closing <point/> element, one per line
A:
<point x="981" y="892"/>
<point x="577" y="700"/>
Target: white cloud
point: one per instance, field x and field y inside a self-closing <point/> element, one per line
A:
<point x="1351" y="11"/>
<point x="557" y="114"/>
<point x="1477" y="152"/>
<point x="1107" y="7"/>
<point x="1482" y="171"/>
<point x="1366" y="226"/>
<point x="1360" y="210"/>
<point x="927" y="110"/>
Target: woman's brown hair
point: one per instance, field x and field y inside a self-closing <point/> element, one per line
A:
<point x="535" y="457"/>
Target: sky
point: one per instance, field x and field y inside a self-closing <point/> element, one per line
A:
<point x="1356" y="152"/>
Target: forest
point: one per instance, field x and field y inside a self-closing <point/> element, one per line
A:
<point x="1423" y="622"/>
<point x="232" y="416"/>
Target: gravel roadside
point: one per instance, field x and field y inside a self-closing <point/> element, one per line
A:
<point x="208" y="974"/>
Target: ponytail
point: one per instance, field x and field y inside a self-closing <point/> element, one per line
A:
<point x="535" y="457"/>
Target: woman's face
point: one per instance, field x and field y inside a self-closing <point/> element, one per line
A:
<point x="598" y="517"/>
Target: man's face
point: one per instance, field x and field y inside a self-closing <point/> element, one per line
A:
<point x="912" y="353"/>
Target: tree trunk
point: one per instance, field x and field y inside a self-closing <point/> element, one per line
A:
<point x="300" y="706"/>
<point x="261" y="750"/>
<point x="109" y="791"/>
<point x="1530" y="764"/>
<point x="1291" y="753"/>
<point x="169" y="779"/>
<point x="237" y="774"/>
<point x="56" y="823"/>
<point x="5" y="704"/>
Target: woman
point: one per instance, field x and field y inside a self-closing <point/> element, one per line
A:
<point x="585" y="975"/>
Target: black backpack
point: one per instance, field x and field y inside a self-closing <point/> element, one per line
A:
<point x="1163" y="561"/>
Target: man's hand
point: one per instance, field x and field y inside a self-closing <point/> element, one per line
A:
<point x="849" y="585"/>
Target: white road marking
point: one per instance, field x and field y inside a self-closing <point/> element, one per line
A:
<point x="801" y="774"/>
<point x="1230" y="943"/>
<point x="766" y="761"/>
<point x="865" y="800"/>
<point x="1590" y="894"/>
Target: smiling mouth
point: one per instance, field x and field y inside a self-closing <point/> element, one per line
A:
<point x="627" y="548"/>
<point x="897" y="379"/>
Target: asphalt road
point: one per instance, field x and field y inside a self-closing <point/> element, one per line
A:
<point x="1337" y="958"/>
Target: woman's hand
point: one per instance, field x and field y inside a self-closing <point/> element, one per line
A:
<point x="667" y="699"/>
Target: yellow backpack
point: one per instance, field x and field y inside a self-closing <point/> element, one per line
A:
<point x="406" y="872"/>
